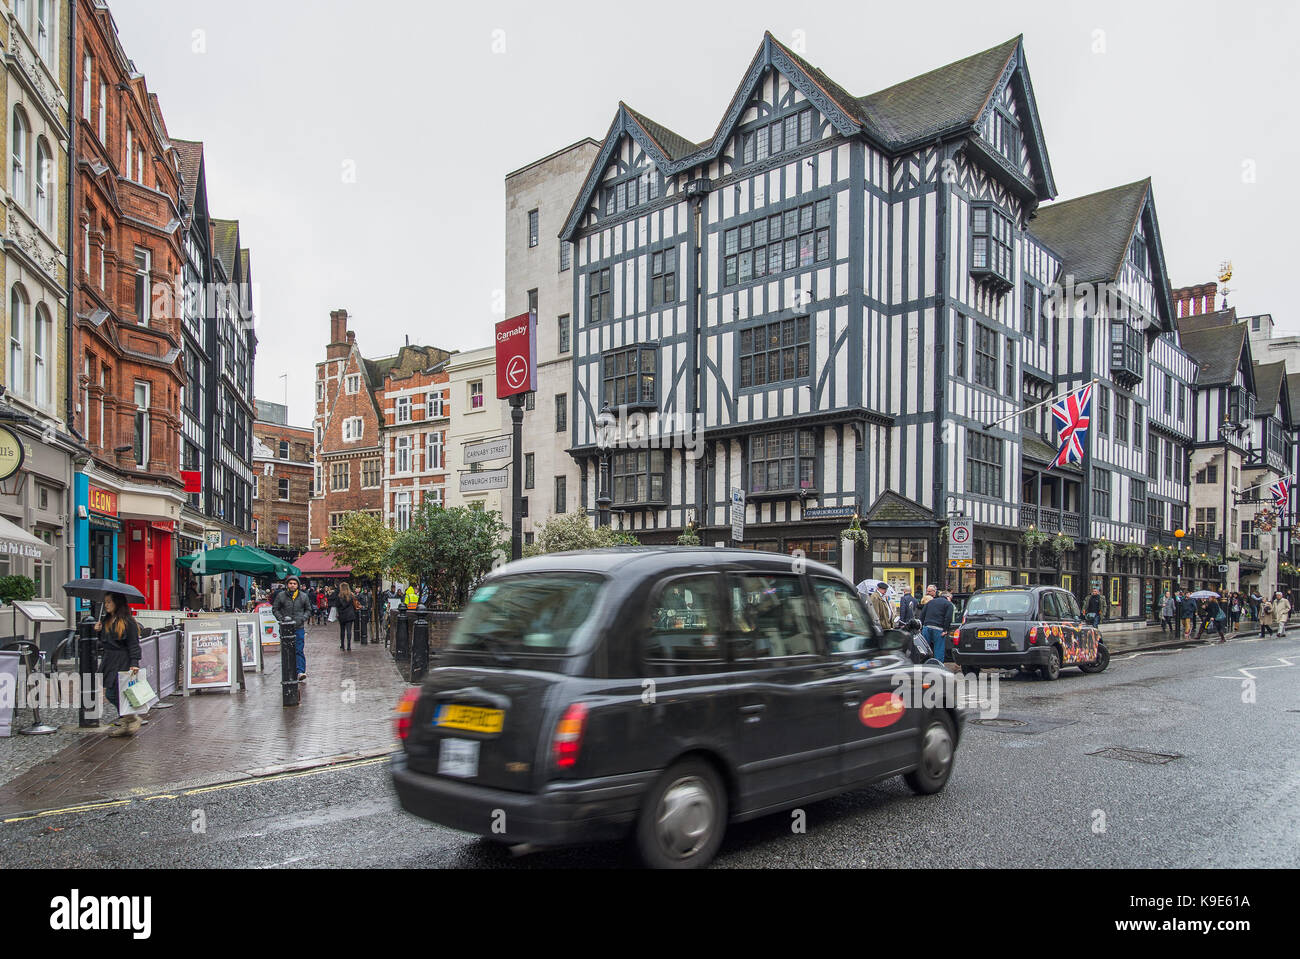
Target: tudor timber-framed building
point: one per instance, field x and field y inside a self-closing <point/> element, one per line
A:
<point x="854" y="297"/>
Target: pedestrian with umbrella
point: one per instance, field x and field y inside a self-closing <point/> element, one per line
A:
<point x="120" y="635"/>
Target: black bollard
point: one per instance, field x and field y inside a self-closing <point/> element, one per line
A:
<point x="419" y="645"/>
<point x="402" y="634"/>
<point x="289" y="662"/>
<point x="88" y="666"/>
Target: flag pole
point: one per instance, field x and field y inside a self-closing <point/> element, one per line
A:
<point x="1243" y="492"/>
<point x="1030" y="409"/>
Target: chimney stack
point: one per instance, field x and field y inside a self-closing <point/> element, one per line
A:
<point x="338" y="325"/>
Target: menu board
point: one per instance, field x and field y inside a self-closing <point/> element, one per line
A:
<point x="249" y="642"/>
<point x="209" y="656"/>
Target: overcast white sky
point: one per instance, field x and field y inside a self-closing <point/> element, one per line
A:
<point x="1197" y="95"/>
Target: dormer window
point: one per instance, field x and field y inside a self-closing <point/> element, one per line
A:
<point x="992" y="242"/>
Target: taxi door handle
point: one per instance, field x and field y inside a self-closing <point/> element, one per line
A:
<point x="852" y="702"/>
<point x="752" y="712"/>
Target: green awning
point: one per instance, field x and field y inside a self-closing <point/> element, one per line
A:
<point x="238" y="559"/>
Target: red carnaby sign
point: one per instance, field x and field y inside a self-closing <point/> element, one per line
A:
<point x="193" y="481"/>
<point x="516" y="356"/>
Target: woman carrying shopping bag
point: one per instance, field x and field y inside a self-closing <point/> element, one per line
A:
<point x="345" y="605"/>
<point x="120" y="635"/>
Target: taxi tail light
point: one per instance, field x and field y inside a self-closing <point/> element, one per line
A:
<point x="568" y="736"/>
<point x="404" y="708"/>
<point x="1033" y="635"/>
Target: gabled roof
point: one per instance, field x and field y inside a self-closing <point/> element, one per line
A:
<point x="190" y="154"/>
<point x="1218" y="352"/>
<point x="1093" y="233"/>
<point x="225" y="244"/>
<point x="1269" y="380"/>
<point x="891" y="507"/>
<point x="948" y="101"/>
<point x="673" y="145"/>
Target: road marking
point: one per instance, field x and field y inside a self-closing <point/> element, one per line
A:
<point x="1245" y="672"/>
<point x="72" y="810"/>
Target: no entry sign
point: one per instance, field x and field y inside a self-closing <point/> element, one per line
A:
<point x="516" y="355"/>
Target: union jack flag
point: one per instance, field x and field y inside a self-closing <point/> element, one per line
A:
<point x="1071" y="415"/>
<point x="1281" y="491"/>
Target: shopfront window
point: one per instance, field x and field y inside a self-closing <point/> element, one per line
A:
<point x="821" y="550"/>
<point x="898" y="550"/>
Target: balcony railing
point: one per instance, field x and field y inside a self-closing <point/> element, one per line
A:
<point x="1050" y="520"/>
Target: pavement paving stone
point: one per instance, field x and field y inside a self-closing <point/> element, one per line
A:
<point x="213" y="737"/>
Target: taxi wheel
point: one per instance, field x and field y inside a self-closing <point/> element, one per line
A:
<point x="1053" y="668"/>
<point x="683" y="817"/>
<point x="1100" y="663"/>
<point x="937" y="747"/>
<point x="970" y="670"/>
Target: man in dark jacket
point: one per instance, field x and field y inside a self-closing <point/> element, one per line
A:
<point x="1092" y="608"/>
<point x="291" y="604"/>
<point x="936" y="616"/>
<point x="1186" y="612"/>
<point x="907" y="608"/>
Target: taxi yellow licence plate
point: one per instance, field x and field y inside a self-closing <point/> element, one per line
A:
<point x="473" y="718"/>
<point x="992" y="634"/>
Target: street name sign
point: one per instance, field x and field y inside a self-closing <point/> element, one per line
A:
<point x="494" y="448"/>
<point x="483" y="481"/>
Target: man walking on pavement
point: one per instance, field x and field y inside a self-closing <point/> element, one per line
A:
<point x="1186" y="612"/>
<point x="1092" y="609"/>
<point x="291" y="604"/>
<point x="1168" y="608"/>
<point x="881" y="606"/>
<point x="936" y="616"/>
<point x="1281" y="610"/>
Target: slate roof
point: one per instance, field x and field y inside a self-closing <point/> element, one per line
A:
<point x="674" y="145"/>
<point x="946" y="99"/>
<point x="1217" y="352"/>
<point x="1268" y="386"/>
<point x="1040" y="452"/>
<point x="1293" y="391"/>
<point x="1207" y="321"/>
<point x="1092" y="233"/>
<point x="225" y="242"/>
<point x="190" y="154"/>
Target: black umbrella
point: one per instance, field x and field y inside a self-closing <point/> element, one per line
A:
<point x="97" y="589"/>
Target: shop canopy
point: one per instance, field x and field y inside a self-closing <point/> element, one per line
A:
<point x="321" y="563"/>
<point x="15" y="541"/>
<point x="238" y="559"/>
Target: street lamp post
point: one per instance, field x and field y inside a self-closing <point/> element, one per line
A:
<point x="604" y="428"/>
<point x="1178" y="535"/>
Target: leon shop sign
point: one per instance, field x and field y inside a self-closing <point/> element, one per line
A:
<point x="516" y="356"/>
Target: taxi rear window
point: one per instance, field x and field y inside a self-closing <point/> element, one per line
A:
<point x="1008" y="603"/>
<point x="534" y="613"/>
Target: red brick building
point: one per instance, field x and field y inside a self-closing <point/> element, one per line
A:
<point x="416" y="407"/>
<point x="128" y="341"/>
<point x="282" y="481"/>
<point x="357" y="401"/>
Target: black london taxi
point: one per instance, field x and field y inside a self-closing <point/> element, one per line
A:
<point x="659" y="694"/>
<point x="1036" y="628"/>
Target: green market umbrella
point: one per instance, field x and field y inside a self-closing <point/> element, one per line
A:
<point x="238" y="559"/>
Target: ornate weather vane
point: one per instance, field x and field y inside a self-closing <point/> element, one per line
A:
<point x="1225" y="274"/>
